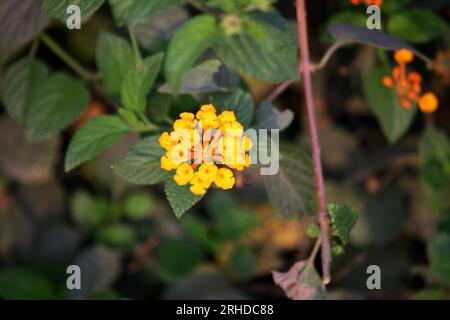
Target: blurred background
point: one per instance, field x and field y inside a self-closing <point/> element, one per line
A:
<point x="128" y="242"/>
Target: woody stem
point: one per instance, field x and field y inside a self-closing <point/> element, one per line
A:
<point x="305" y="71"/>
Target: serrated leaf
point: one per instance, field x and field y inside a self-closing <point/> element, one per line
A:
<point x="438" y="250"/>
<point x="343" y="220"/>
<point x="291" y="190"/>
<point x="24" y="284"/>
<point x="57" y="8"/>
<point x="132" y="12"/>
<point x="180" y="198"/>
<point x="209" y="76"/>
<point x="141" y="164"/>
<point x="20" y="22"/>
<point x="138" y="82"/>
<point x="238" y="101"/>
<point x="385" y="104"/>
<point x="58" y="103"/>
<point x="301" y="282"/>
<point x="266" y="49"/>
<point x="417" y="25"/>
<point x="22" y="82"/>
<point x="94" y="137"/>
<point x="344" y="33"/>
<point x="114" y="59"/>
<point x="187" y="45"/>
<point x="269" y="117"/>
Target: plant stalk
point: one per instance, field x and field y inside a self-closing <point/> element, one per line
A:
<point x="305" y="71"/>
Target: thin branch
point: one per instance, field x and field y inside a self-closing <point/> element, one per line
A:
<point x="326" y="57"/>
<point x="315" y="147"/>
<point x="278" y="91"/>
<point x="67" y="58"/>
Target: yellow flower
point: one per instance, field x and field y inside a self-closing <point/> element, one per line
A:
<point x="179" y="154"/>
<point x="189" y="116"/>
<point x="225" y="179"/>
<point x="184" y="174"/>
<point x="207" y="172"/>
<point x="208" y="108"/>
<point x="167" y="163"/>
<point x="226" y="116"/>
<point x="248" y="143"/>
<point x="233" y="129"/>
<point x="165" y="141"/>
<point x="198" y="186"/>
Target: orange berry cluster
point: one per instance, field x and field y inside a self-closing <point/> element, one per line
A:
<point x="409" y="85"/>
<point x="367" y="2"/>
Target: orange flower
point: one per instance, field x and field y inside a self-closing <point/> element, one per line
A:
<point x="428" y="103"/>
<point x="403" y="56"/>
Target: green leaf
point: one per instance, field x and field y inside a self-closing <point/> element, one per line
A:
<point x="430" y="294"/>
<point x="313" y="230"/>
<point x="385" y="104"/>
<point x="132" y="12"/>
<point x="141" y="164"/>
<point x="57" y="8"/>
<point x="138" y="82"/>
<point x="434" y="145"/>
<point x="117" y="235"/>
<point x="234" y="223"/>
<point x="343" y="220"/>
<point x="242" y="263"/>
<point x="439" y="256"/>
<point x="87" y="211"/>
<point x="114" y="59"/>
<point x="24" y="284"/>
<point x="180" y="198"/>
<point x="138" y="206"/>
<point x="187" y="45"/>
<point x="266" y="49"/>
<point x="349" y="17"/>
<point x="209" y="76"/>
<point x="417" y="25"/>
<point x="291" y="190"/>
<point x="22" y="82"/>
<point x="238" y="101"/>
<point x="94" y="137"/>
<point x="178" y="258"/>
<point x="58" y="103"/>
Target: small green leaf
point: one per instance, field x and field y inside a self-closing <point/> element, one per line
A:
<point x="313" y="230"/>
<point x="349" y="17"/>
<point x="58" y="103"/>
<point x="180" y="198"/>
<point x="291" y="190"/>
<point x="238" y="101"/>
<point x="385" y="104"/>
<point x="94" y="137"/>
<point x="417" y="25"/>
<point x="266" y="49"/>
<point x="138" y="206"/>
<point x="141" y="164"/>
<point x="57" y="8"/>
<point x="187" y="45"/>
<point x="114" y="59"/>
<point x="117" y="235"/>
<point x="22" y="82"/>
<point x="343" y="220"/>
<point x="138" y="82"/>
<point x="132" y="12"/>
<point x="242" y="263"/>
<point x="24" y="284"/>
<point x="337" y="249"/>
<point x="178" y="258"/>
<point x="269" y="117"/>
<point x="87" y="211"/>
<point x="439" y="255"/>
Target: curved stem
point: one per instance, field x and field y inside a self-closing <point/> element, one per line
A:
<point x="305" y="70"/>
<point x="67" y="58"/>
<point x="278" y="91"/>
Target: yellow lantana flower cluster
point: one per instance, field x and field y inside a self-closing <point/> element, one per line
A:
<point x="203" y="148"/>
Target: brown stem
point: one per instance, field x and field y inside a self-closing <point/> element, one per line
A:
<point x="305" y="71"/>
